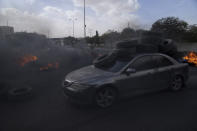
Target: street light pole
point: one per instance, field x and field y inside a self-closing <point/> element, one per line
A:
<point x="73" y="28"/>
<point x="73" y="21"/>
<point x="84" y="19"/>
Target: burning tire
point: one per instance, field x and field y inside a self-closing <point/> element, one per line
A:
<point x="20" y="93"/>
<point x="105" y="97"/>
<point x="177" y="83"/>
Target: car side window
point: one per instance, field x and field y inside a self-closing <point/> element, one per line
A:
<point x="162" y="61"/>
<point x="143" y="63"/>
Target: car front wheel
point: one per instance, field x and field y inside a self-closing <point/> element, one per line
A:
<point x="105" y="97"/>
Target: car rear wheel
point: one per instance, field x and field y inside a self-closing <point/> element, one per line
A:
<point x="105" y="97"/>
<point x="177" y="83"/>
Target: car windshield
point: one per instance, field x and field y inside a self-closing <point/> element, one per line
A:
<point x="115" y="66"/>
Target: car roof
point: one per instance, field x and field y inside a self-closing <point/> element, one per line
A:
<point x="143" y="54"/>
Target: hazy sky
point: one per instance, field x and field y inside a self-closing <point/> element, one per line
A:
<point x="54" y="16"/>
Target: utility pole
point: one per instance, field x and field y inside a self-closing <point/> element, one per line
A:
<point x="84" y="19"/>
<point x="48" y="34"/>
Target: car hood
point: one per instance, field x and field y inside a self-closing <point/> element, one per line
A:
<point x="88" y="75"/>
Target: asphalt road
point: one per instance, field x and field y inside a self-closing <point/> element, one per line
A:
<point x="49" y="110"/>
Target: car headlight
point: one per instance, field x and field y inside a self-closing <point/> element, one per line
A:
<point x="79" y="87"/>
<point x="67" y="83"/>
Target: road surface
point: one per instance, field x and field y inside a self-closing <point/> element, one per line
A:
<point x="48" y="110"/>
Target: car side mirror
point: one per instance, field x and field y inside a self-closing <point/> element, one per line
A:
<point x="129" y="71"/>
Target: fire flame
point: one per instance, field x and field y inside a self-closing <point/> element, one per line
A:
<point x="31" y="58"/>
<point x="191" y="58"/>
<point x="50" y="66"/>
<point x="26" y="59"/>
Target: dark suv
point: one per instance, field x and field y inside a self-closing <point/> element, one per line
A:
<point x="142" y="74"/>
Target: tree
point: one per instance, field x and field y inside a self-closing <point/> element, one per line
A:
<point x="170" y="27"/>
<point x="97" y="39"/>
<point x="110" y="37"/>
<point x="127" y="33"/>
<point x="191" y="34"/>
<point x="94" y="41"/>
<point x="89" y="40"/>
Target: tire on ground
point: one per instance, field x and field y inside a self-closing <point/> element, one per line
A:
<point x="18" y="94"/>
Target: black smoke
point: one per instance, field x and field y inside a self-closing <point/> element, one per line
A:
<point x="18" y="45"/>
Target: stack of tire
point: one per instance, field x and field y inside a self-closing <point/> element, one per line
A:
<point x="165" y="46"/>
<point x="168" y="47"/>
<point x="105" y="60"/>
<point x="126" y="49"/>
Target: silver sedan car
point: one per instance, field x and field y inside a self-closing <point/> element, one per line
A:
<point x="143" y="73"/>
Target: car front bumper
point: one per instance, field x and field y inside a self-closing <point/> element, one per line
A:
<point x="81" y="97"/>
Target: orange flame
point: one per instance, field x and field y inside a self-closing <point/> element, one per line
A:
<point x="50" y="66"/>
<point x="191" y="58"/>
<point x="26" y="59"/>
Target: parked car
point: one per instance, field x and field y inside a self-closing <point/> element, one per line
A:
<point x="141" y="74"/>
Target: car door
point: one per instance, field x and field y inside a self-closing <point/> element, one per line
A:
<point x="163" y="73"/>
<point x="142" y="80"/>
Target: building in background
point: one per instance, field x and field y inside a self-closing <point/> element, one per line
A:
<point x="6" y="30"/>
<point x="65" y="41"/>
